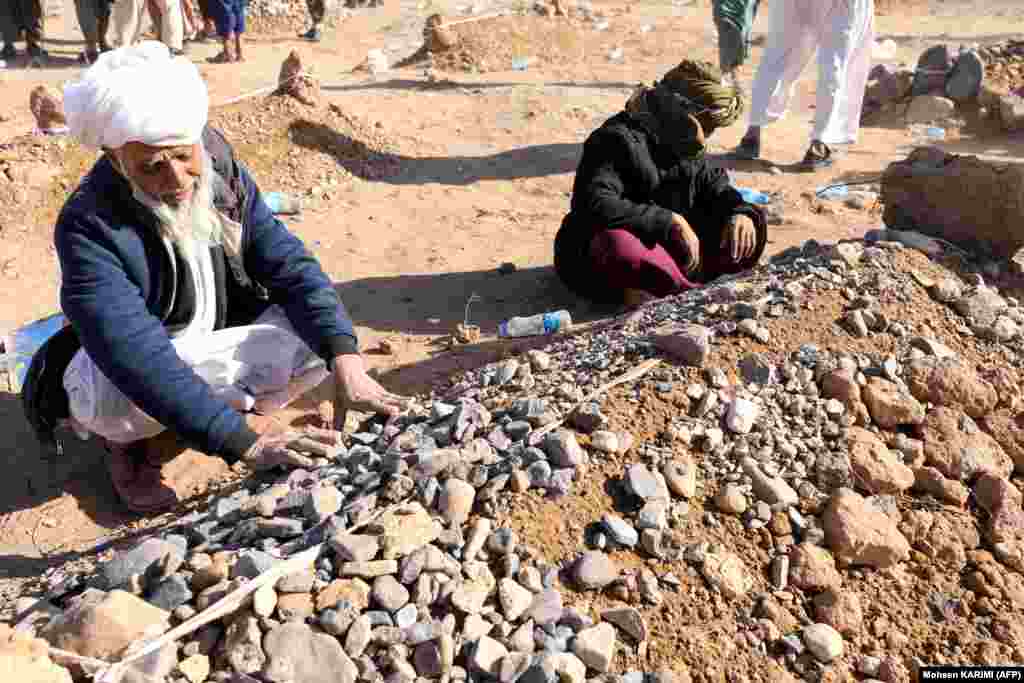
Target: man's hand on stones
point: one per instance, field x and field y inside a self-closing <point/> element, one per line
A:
<point x="356" y="390"/>
<point x="740" y="238"/>
<point x="280" y="445"/>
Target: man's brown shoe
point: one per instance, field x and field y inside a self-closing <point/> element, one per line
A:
<point x="138" y="483"/>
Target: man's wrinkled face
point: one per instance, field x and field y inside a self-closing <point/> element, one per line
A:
<point x="167" y="174"/>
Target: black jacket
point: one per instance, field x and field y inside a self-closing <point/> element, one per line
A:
<point x="626" y="181"/>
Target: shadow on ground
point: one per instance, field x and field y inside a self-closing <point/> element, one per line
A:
<point x="432" y="305"/>
<point x="533" y="161"/>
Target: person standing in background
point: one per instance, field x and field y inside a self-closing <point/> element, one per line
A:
<point x="169" y="21"/>
<point x="317" y="10"/>
<point x="17" y="16"/>
<point x="229" y="16"/>
<point x="842" y="33"/>
<point x="129" y="17"/>
<point x="94" y="20"/>
<point x="734" y="20"/>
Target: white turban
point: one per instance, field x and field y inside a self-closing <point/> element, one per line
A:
<point x="137" y="94"/>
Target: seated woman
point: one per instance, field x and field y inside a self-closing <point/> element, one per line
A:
<point x="649" y="216"/>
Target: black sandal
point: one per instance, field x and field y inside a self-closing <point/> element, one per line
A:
<point x="221" y="58"/>
<point x="749" y="149"/>
<point x="818" y="156"/>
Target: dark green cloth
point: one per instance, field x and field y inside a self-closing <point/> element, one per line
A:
<point x="735" y="21"/>
<point x="93" y="19"/>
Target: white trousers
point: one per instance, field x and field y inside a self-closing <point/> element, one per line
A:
<point x="128" y="18"/>
<point x="842" y="33"/>
<point x="263" y="366"/>
<point x="129" y="22"/>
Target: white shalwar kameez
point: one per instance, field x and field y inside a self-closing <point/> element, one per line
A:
<point x="842" y="32"/>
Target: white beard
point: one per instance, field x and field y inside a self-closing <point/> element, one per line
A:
<point x="188" y="223"/>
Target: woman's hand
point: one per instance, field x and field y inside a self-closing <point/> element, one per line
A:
<point x="684" y="245"/>
<point x="740" y="238"/>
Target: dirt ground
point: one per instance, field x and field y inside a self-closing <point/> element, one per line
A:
<point x="475" y="171"/>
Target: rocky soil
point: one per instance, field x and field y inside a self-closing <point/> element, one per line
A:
<point x="811" y="471"/>
<point x="746" y="506"/>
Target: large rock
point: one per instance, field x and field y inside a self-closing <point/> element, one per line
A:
<point x="26" y="659"/>
<point x="948" y="382"/>
<point x="403" y="531"/>
<point x="298" y="654"/>
<point x="728" y="573"/>
<point x="595" y="570"/>
<point x="1008" y="431"/>
<point x="823" y="641"/>
<point x="681" y="476"/>
<point x="629" y="619"/>
<point x="877" y="468"/>
<point x="890" y="407"/>
<point x="102" y="625"/>
<point x="956" y="446"/>
<point x="690" y="344"/>
<point x="487" y="655"/>
<point x="943" y="537"/>
<point x="861" y="534"/>
<point x="964" y="200"/>
<point x="514" y="599"/>
<point x="812" y="568"/>
<point x="842" y="385"/>
<point x="595" y="647"/>
<point x="563" y="449"/>
<point x="772" y="490"/>
<point x="1002" y="501"/>
<point x="646" y="484"/>
<point x="141" y="559"/>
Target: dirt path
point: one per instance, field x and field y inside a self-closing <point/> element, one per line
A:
<point x="487" y="164"/>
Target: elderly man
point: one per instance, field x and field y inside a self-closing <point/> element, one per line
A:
<point x="192" y="308"/>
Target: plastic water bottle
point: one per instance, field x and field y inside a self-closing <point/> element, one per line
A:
<point x="536" y="325"/>
<point x="753" y="196"/>
<point x="833" y="192"/>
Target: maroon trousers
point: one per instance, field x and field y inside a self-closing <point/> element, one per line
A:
<point x="620" y="261"/>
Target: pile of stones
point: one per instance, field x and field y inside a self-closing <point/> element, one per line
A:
<point x="813" y="452"/>
<point x="989" y="78"/>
